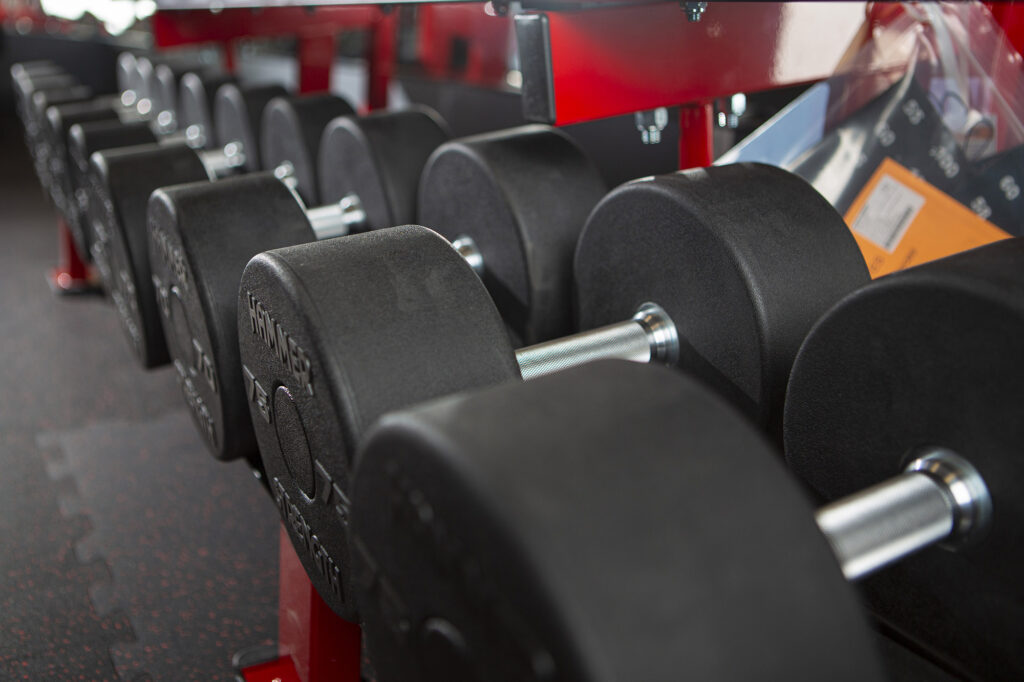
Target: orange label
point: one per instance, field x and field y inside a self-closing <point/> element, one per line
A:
<point x="899" y="220"/>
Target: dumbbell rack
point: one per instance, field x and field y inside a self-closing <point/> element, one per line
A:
<point x="579" y="62"/>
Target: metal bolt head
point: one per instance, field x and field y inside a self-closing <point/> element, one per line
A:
<point x="694" y="10"/>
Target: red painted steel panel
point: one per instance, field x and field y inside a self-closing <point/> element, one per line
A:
<point x="444" y="29"/>
<point x="611" y="61"/>
<point x="184" y="27"/>
<point x="321" y="645"/>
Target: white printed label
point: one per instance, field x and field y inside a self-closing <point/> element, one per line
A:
<point x="888" y="212"/>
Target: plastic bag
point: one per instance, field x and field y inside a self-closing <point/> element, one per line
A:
<point x="937" y="89"/>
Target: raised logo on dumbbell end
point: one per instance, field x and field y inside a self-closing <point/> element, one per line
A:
<point x="280" y="343"/>
<point x="172" y="255"/>
<point x="121" y="293"/>
<point x="257" y="394"/>
<point x="195" y="403"/>
<point x="322" y="559"/>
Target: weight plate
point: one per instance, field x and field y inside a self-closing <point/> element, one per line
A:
<point x="290" y="131"/>
<point x="523" y="196"/>
<point x="928" y="357"/>
<point x="332" y="335"/>
<point x="195" y="104"/>
<point x="122" y="180"/>
<point x="237" y="112"/>
<point x="625" y="525"/>
<point x="379" y="158"/>
<point x="83" y="140"/>
<point x="744" y="258"/>
<point x="201" y="235"/>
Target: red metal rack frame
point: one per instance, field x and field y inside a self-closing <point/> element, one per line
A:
<point x="578" y="66"/>
<point x="314" y="645"/>
<point x="314" y="28"/>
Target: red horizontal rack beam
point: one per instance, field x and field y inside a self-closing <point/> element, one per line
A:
<point x="184" y="27"/>
<point x="313" y="27"/>
<point x="585" y="65"/>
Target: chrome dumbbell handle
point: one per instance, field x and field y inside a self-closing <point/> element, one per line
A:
<point x="336" y="219"/>
<point x="220" y="163"/>
<point x="939" y="498"/>
<point x="649" y="336"/>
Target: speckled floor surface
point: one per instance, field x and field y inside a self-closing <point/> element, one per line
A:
<point x="126" y="552"/>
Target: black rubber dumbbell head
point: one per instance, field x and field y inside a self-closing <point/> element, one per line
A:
<point x="743" y="258"/>
<point x="924" y="358"/>
<point x="26" y="86"/>
<point x="299" y="380"/>
<point x="237" y="112"/>
<point x="196" y="96"/>
<point x="83" y="140"/>
<point x="42" y="99"/>
<point x="215" y="229"/>
<point x="610" y="522"/>
<point x="59" y="119"/>
<point x="379" y="158"/>
<point x="522" y="195"/>
<point x="290" y="132"/>
<point x="201" y="236"/>
<point x="122" y="180"/>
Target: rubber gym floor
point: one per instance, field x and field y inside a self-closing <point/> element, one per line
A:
<point x="126" y="551"/>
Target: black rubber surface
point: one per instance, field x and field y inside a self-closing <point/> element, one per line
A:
<point x="290" y="131"/>
<point x="24" y="84"/>
<point x="237" y="112"/>
<point x="744" y="258"/>
<point x="59" y="119"/>
<point x="523" y="195"/>
<point x="336" y="333"/>
<point x="196" y="94"/>
<point x="122" y="180"/>
<point x="928" y="357"/>
<point x="201" y="235"/>
<point x="26" y="87"/>
<point x="128" y="553"/>
<point x="163" y="89"/>
<point x="83" y="140"/>
<point x="625" y="525"/>
<point x="36" y="125"/>
<point x="379" y="158"/>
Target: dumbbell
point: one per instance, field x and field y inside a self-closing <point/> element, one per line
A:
<point x="159" y="82"/>
<point x="123" y="179"/>
<point x="33" y="94"/>
<point x="515" y="202"/>
<point x="373" y="162"/>
<point x="719" y="271"/>
<point x="29" y="78"/>
<point x="201" y="235"/>
<point x="232" y="125"/>
<point x="927" y="358"/>
<point x="619" y="521"/>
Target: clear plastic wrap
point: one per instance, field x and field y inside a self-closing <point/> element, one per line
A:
<point x="925" y="110"/>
